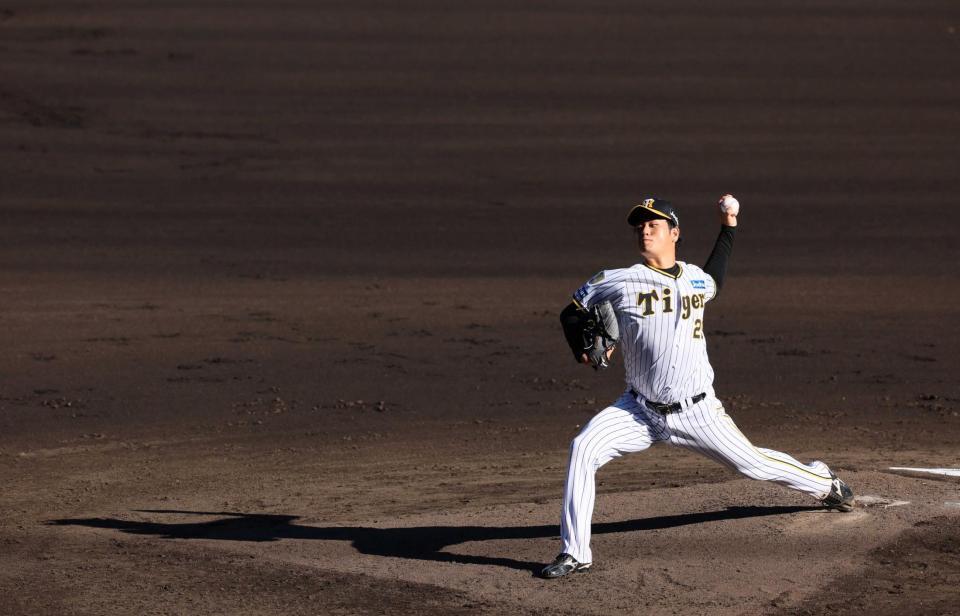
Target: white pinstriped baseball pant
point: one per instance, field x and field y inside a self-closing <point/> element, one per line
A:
<point x="628" y="427"/>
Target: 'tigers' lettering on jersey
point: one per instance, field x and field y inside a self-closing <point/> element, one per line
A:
<point x="645" y="300"/>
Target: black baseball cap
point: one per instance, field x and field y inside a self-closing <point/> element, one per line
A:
<point x="653" y="208"/>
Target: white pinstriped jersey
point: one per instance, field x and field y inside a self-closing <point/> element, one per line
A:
<point x="662" y="337"/>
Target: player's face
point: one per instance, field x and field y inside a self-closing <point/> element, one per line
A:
<point x="656" y="238"/>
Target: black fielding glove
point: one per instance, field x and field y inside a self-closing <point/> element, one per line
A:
<point x="591" y="332"/>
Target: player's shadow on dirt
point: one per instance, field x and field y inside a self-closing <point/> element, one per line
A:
<point x="420" y="543"/>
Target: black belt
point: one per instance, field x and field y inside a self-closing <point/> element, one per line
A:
<point x="666" y="409"/>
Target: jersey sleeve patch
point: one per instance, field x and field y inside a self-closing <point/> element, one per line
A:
<point x="604" y="286"/>
<point x="699" y="284"/>
<point x="580" y="297"/>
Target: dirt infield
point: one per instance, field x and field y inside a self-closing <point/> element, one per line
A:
<point x="280" y="290"/>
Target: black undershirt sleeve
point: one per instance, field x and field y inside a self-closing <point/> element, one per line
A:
<point x="716" y="265"/>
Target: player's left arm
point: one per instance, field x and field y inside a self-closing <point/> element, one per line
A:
<point x="716" y="265"/>
<point x="592" y="313"/>
<point x="591" y="334"/>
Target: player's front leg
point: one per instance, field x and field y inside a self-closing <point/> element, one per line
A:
<point x="616" y="430"/>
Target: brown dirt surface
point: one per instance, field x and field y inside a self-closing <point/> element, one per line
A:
<point x="280" y="289"/>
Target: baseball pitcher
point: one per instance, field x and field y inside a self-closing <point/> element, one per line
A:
<point x="654" y="313"/>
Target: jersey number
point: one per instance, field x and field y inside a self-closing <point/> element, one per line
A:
<point x="698" y="328"/>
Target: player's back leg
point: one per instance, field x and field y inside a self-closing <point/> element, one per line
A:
<point x="708" y="430"/>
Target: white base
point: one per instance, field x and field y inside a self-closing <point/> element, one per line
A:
<point x="952" y="472"/>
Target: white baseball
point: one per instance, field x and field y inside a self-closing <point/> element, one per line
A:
<point x="729" y="204"/>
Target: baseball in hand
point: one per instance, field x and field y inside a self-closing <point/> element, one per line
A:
<point x="729" y="205"/>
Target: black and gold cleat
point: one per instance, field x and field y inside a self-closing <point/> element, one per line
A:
<point x="841" y="496"/>
<point x="562" y="565"/>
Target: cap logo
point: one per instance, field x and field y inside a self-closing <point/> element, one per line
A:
<point x="648" y="203"/>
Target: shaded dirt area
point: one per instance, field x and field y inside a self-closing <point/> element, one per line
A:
<point x="919" y="566"/>
<point x="280" y="289"/>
